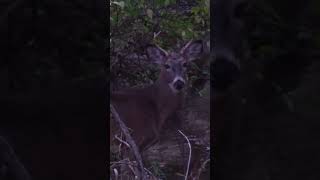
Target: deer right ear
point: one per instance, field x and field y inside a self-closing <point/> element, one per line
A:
<point x="192" y="50"/>
<point x="156" y="54"/>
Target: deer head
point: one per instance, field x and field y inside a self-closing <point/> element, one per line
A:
<point x="174" y="64"/>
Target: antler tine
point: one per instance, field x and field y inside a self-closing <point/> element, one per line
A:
<point x="184" y="48"/>
<point x="166" y="52"/>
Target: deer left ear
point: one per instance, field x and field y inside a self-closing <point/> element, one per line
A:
<point x="193" y="50"/>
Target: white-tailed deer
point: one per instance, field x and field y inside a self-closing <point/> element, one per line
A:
<point x="146" y="110"/>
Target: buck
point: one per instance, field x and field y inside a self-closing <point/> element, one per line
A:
<point x="146" y="110"/>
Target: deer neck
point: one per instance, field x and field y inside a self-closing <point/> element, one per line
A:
<point x="166" y="100"/>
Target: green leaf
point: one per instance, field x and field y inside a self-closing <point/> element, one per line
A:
<point x="183" y="33"/>
<point x="120" y="3"/>
<point x="166" y="2"/>
<point x="149" y="13"/>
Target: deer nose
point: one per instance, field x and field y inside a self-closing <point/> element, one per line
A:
<point x="179" y="84"/>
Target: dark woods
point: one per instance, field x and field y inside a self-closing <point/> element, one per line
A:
<point x="53" y="90"/>
<point x="265" y="95"/>
<point x="265" y="117"/>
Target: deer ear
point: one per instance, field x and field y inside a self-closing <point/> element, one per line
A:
<point x="193" y="50"/>
<point x="156" y="54"/>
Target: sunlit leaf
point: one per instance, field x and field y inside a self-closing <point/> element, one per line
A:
<point x="183" y="33"/>
<point x="120" y="3"/>
<point x="149" y="13"/>
<point x="167" y="2"/>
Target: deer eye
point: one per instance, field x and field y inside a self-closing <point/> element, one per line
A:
<point x="167" y="66"/>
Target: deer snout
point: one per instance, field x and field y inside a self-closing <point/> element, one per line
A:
<point x="178" y="84"/>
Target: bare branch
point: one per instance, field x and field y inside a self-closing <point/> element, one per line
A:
<point x="122" y="141"/>
<point x="190" y="151"/>
<point x="130" y="141"/>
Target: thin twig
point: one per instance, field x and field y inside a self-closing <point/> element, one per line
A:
<point x="128" y="163"/>
<point x="122" y="141"/>
<point x="203" y="166"/>
<point x="116" y="173"/>
<point x="150" y="173"/>
<point x="121" y="162"/>
<point x="155" y="35"/>
<point x="120" y="145"/>
<point x="190" y="151"/>
<point x="132" y="168"/>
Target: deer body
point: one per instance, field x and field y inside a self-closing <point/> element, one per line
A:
<point x="146" y="110"/>
<point x="151" y="105"/>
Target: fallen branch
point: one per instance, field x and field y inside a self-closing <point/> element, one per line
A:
<point x="130" y="140"/>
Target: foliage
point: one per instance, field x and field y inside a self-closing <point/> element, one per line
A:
<point x="156" y="169"/>
<point x="161" y="15"/>
<point x="133" y="24"/>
